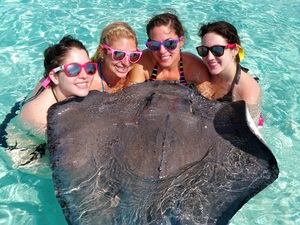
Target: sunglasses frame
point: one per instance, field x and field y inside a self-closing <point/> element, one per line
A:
<point x="160" y="43"/>
<point x="125" y="54"/>
<point x="213" y="51"/>
<point x="65" y="67"/>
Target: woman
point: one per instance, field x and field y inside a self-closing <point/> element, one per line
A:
<point x="163" y="60"/>
<point x="116" y="54"/>
<point x="222" y="53"/>
<point x="68" y="72"/>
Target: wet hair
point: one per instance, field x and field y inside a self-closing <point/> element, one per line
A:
<point x="166" y="19"/>
<point x="54" y="55"/>
<point x="224" y="29"/>
<point x="113" y="32"/>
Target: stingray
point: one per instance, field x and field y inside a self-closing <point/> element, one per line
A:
<point x="155" y="153"/>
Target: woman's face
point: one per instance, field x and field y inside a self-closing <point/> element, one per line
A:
<point x="119" y="68"/>
<point x="78" y="85"/>
<point x="164" y="57"/>
<point x="215" y="64"/>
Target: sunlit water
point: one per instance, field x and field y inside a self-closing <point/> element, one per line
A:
<point x="270" y="36"/>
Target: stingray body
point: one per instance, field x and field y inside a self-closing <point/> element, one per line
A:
<point x="155" y="153"/>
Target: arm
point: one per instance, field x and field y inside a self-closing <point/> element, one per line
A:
<point x="136" y="75"/>
<point x="140" y="70"/>
<point x="195" y="70"/>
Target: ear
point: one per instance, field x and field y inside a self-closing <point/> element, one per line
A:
<point x="101" y="52"/>
<point x="54" y="78"/>
<point x="182" y="42"/>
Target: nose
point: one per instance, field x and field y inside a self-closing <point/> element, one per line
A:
<point x="82" y="74"/>
<point x="162" y="49"/>
<point x="125" y="61"/>
<point x="210" y="55"/>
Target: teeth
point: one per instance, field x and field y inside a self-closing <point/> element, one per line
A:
<point x="81" y="84"/>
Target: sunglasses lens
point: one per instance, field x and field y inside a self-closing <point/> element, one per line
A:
<point x="90" y="68"/>
<point x="202" y="51"/>
<point x="73" y="70"/>
<point x="119" y="55"/>
<point x="170" y="45"/>
<point x="153" y="45"/>
<point x="134" y="57"/>
<point x="217" y="50"/>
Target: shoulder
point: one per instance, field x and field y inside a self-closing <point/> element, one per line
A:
<point x="194" y="68"/>
<point x="249" y="89"/>
<point x="96" y="83"/>
<point x="36" y="109"/>
<point x="192" y="61"/>
<point x="141" y="70"/>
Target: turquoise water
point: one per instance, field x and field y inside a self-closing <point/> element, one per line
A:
<point x="270" y="36"/>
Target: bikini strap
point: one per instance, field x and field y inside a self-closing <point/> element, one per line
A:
<point x="236" y="78"/>
<point x="102" y="77"/>
<point x="154" y="73"/>
<point x="54" y="94"/>
<point x="181" y="73"/>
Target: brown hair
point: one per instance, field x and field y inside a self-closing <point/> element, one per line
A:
<point x="166" y="19"/>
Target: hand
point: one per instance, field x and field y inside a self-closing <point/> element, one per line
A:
<point x="211" y="91"/>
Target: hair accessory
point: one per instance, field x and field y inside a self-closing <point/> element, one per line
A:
<point x="241" y="53"/>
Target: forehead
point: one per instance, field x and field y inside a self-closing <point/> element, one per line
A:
<point x="162" y="33"/>
<point x="123" y="43"/>
<point x="76" y="55"/>
<point x="212" y="38"/>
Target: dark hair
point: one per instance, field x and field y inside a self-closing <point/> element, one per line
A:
<point x="166" y="19"/>
<point x="222" y="28"/>
<point x="55" y="54"/>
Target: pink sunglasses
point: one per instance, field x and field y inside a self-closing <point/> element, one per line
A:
<point x="118" y="55"/>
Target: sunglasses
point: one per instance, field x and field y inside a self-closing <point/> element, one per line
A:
<point x="118" y="55"/>
<point x="170" y="45"/>
<point x="216" y="50"/>
<point x="74" y="69"/>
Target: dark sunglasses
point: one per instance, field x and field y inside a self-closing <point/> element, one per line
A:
<point x="216" y="50"/>
<point x="74" y="69"/>
<point x="118" y="55"/>
<point x="170" y="45"/>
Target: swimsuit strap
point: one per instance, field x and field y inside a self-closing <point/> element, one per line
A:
<point x="181" y="73"/>
<point x="33" y="97"/>
<point x="54" y="94"/>
<point x="154" y="73"/>
<point x="102" y="77"/>
<point x="236" y="79"/>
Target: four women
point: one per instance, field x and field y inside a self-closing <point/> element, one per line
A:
<point x="118" y="63"/>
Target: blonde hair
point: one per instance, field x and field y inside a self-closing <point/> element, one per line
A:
<point x="113" y="32"/>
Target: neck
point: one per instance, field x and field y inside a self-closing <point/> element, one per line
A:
<point x="112" y="82"/>
<point x="54" y="94"/>
<point x="108" y="77"/>
<point x="228" y="74"/>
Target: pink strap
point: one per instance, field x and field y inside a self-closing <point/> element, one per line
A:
<point x="261" y="120"/>
<point x="46" y="82"/>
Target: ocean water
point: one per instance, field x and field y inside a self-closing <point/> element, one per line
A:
<point x="270" y="36"/>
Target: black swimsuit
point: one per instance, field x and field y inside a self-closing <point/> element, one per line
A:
<point x="236" y="79"/>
